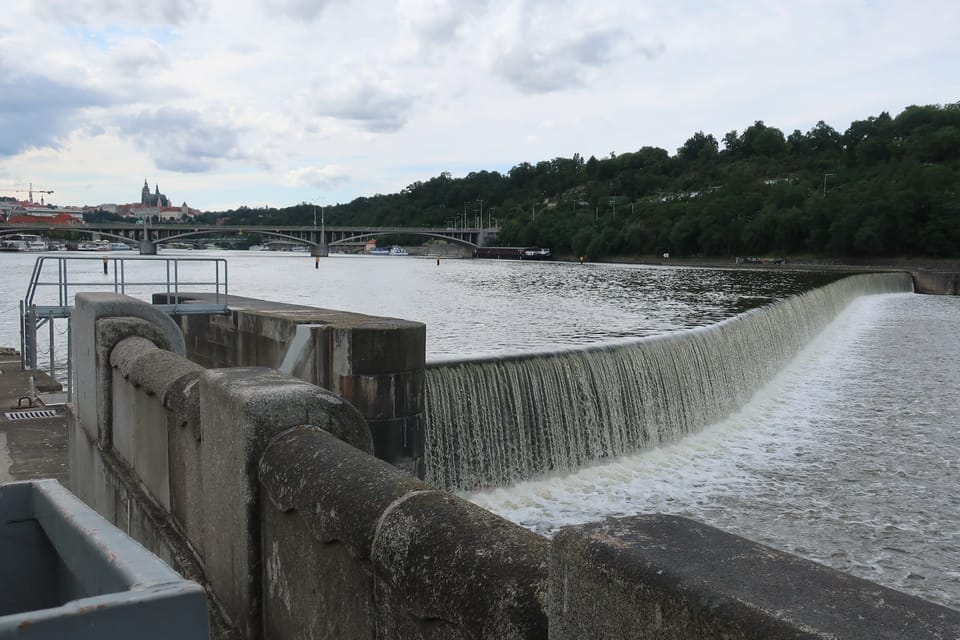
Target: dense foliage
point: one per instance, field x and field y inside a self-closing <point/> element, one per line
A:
<point x="887" y="186"/>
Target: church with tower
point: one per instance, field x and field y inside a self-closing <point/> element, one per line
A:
<point x="155" y="199"/>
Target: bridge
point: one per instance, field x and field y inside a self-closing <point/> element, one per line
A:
<point x="318" y="239"/>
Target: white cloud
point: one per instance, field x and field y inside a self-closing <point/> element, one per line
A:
<point x="317" y="177"/>
<point x="273" y="99"/>
<point x="36" y="111"/>
<point x="306" y="10"/>
<point x="142" y="11"/>
<point x="181" y="140"/>
<point x="139" y="58"/>
<point x="376" y="107"/>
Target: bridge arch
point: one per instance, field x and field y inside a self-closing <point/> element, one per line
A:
<point x="406" y="232"/>
<point x="237" y="232"/>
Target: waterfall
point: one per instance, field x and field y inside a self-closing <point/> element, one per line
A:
<point x="496" y="421"/>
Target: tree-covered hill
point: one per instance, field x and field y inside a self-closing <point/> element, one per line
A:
<point x="885" y="187"/>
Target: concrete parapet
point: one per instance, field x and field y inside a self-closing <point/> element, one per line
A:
<point x="323" y="500"/>
<point x="143" y="377"/>
<point x="446" y="568"/>
<point x="91" y="352"/>
<point x="936" y="282"/>
<point x="356" y="548"/>
<point x="669" y="578"/>
<point x="241" y="410"/>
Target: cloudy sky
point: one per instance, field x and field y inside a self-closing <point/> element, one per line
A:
<point x="275" y="102"/>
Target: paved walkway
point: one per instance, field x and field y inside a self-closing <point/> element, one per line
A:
<point x="33" y="439"/>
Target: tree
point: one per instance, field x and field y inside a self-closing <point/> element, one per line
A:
<point x="694" y="146"/>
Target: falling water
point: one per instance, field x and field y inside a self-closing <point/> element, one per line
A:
<point x="496" y="421"/>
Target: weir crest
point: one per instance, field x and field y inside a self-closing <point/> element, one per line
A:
<point x="496" y="421"/>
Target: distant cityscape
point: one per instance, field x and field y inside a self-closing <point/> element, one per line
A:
<point x="153" y="205"/>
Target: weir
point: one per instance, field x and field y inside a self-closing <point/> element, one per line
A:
<point x="497" y="421"/>
<point x="264" y="489"/>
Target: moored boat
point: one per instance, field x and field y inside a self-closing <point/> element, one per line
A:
<point x="22" y="242"/>
<point x="94" y="245"/>
<point x="392" y="251"/>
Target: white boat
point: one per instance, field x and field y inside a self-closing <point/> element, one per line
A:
<point x="94" y="245"/>
<point x="22" y="242"/>
<point x="392" y="251"/>
<point x="120" y="246"/>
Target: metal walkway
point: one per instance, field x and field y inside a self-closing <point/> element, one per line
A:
<point x="56" y="280"/>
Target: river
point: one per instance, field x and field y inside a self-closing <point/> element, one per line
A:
<point x="848" y="457"/>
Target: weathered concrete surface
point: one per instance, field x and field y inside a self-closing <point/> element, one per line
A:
<point x="34" y="448"/>
<point x="936" y="282"/>
<point x="241" y="410"/>
<point x="669" y="578"/>
<point x="143" y="376"/>
<point x="322" y="502"/>
<point x="446" y="568"/>
<point x="91" y="354"/>
<point x="376" y="364"/>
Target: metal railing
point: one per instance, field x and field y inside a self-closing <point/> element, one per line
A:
<point x="136" y="276"/>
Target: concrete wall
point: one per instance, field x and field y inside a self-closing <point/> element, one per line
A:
<point x="936" y="282"/>
<point x="376" y="364"/>
<point x="262" y="488"/>
<point x="671" y="578"/>
<point x="362" y="550"/>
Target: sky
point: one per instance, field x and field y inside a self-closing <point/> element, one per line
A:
<point x="224" y="103"/>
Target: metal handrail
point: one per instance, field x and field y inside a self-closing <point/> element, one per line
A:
<point x="34" y="315"/>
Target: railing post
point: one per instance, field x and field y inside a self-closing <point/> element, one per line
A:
<point x="52" y="350"/>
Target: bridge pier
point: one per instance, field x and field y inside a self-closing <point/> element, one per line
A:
<point x="319" y="250"/>
<point x="148" y="248"/>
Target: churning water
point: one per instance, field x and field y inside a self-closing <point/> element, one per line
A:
<point x="850" y="456"/>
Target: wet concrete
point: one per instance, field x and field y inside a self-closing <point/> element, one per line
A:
<point x="31" y="446"/>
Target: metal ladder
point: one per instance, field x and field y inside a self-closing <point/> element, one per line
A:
<point x="174" y="279"/>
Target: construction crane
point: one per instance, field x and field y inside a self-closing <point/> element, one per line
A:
<point x="29" y="191"/>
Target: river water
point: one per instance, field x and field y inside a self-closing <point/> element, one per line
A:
<point x="849" y="457"/>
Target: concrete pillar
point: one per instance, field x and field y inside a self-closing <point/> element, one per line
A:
<point x="378" y="365"/>
<point x="148" y="248"/>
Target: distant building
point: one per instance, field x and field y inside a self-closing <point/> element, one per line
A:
<point x="23" y="212"/>
<point x="152" y="206"/>
<point x="34" y="218"/>
<point x="155" y="199"/>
